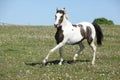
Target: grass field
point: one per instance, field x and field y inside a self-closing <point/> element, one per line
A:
<point x="22" y="44"/>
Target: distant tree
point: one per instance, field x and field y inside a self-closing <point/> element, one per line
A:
<point x="103" y="21"/>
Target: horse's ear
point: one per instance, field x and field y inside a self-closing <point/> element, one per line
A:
<point x="63" y="9"/>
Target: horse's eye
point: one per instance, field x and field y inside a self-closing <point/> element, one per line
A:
<point x="62" y="16"/>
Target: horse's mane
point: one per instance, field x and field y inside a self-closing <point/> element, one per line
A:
<point x="66" y="15"/>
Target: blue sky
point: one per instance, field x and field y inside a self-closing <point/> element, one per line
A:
<point x="42" y="12"/>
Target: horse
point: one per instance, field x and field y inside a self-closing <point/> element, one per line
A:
<point x="68" y="33"/>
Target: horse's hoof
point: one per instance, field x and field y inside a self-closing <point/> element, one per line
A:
<point x="75" y="57"/>
<point x="60" y="63"/>
<point x="44" y="62"/>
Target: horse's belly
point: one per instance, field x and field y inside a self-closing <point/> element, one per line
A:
<point x="74" y="39"/>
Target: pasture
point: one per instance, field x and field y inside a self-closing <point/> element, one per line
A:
<point x="22" y="48"/>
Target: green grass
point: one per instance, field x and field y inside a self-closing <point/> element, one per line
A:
<point x="23" y="44"/>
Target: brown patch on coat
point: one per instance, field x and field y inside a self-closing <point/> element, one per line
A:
<point x="86" y="34"/>
<point x="89" y="34"/>
<point x="59" y="35"/>
<point x="60" y="11"/>
<point x="74" y="25"/>
<point x="82" y="31"/>
<point x="61" y="18"/>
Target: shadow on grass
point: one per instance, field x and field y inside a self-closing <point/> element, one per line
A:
<point x="55" y="62"/>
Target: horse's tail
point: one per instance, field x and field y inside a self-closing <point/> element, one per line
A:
<point x="99" y="33"/>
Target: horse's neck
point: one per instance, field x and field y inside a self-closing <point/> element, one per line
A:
<point x="66" y="23"/>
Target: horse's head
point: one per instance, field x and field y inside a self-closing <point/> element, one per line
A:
<point x="59" y="17"/>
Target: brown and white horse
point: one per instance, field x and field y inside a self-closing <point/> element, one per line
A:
<point x="67" y="33"/>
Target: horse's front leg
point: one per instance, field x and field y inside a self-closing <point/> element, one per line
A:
<point x="52" y="50"/>
<point x="61" y="58"/>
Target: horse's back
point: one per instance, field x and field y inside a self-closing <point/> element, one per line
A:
<point x="86" y="24"/>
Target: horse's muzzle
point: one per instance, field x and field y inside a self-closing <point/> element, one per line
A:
<point x="56" y="25"/>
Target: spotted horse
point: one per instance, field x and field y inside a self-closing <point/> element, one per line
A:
<point x="67" y="33"/>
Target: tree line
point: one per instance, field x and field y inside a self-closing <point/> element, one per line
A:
<point x="103" y="21"/>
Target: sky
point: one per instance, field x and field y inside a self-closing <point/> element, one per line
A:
<point x="42" y="12"/>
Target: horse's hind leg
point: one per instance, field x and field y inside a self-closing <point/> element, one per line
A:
<point x="79" y="51"/>
<point x="94" y="51"/>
